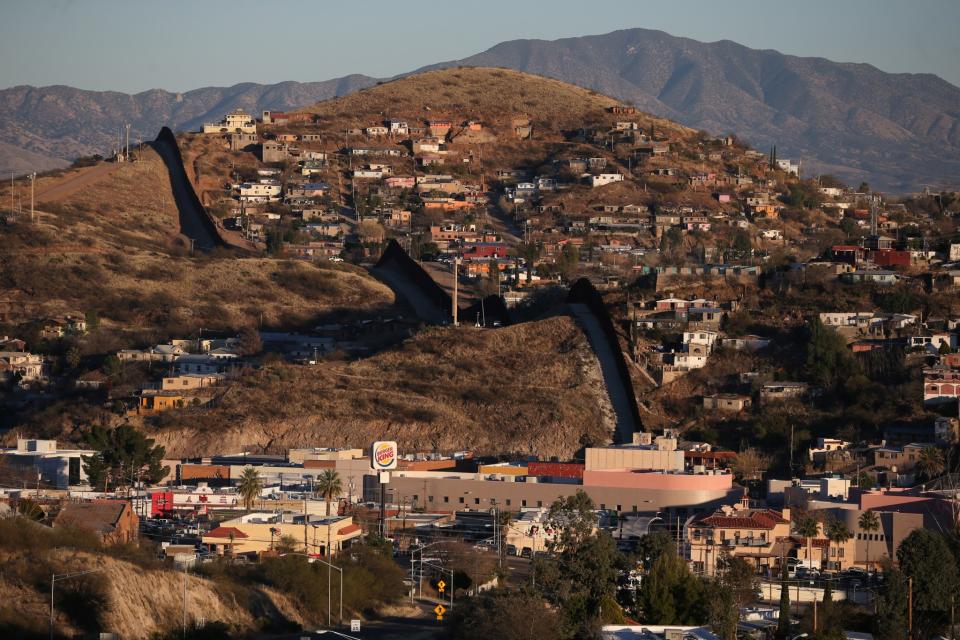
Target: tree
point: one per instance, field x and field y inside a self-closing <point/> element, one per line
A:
<point x="249" y="487"/>
<point x="808" y="527"/>
<point x="783" y="621"/>
<point x="73" y="357"/>
<point x="828" y="361"/>
<point x="736" y="586"/>
<point x="329" y="486"/>
<point x="925" y="556"/>
<point x="892" y="601"/>
<point x="124" y="456"/>
<point x="584" y="565"/>
<point x="503" y="614"/>
<point x="568" y="261"/>
<point x="868" y="523"/>
<point x="112" y="367"/>
<point x="671" y="594"/>
<point x="286" y="544"/>
<point x="250" y="342"/>
<point x="837" y="533"/>
<point x="750" y="464"/>
<point x="930" y="463"/>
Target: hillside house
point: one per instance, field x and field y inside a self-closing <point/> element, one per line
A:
<point x="273" y="151"/>
<point x="726" y="402"/>
<point x="237" y="121"/>
<point x="782" y="391"/>
<point x="605" y="179"/>
<point x="23" y="368"/>
<point x="439" y="128"/>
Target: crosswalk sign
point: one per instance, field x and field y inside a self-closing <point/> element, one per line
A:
<point x="439" y="610"/>
<point x="441" y="586"/>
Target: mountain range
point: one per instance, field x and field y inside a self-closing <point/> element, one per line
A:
<point x="899" y="132"/>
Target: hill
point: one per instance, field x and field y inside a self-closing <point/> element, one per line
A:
<point x="443" y="389"/>
<point x="896" y="131"/>
<point x="106" y="242"/>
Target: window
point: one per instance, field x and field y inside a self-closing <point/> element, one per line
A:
<point x="634" y="508"/>
<point x="429" y="498"/>
<point x="415" y="497"/>
<point x="508" y="502"/>
<point x="476" y="501"/>
<point x="539" y="503"/>
<point x="618" y="509"/>
<point x="461" y="499"/>
<point x="523" y="503"/>
<point x="446" y="498"/>
<point x="603" y="506"/>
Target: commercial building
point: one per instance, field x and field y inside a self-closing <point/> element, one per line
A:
<point x="42" y="462"/>
<point x="260" y="532"/>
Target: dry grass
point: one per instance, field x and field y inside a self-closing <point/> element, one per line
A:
<point x="532" y="388"/>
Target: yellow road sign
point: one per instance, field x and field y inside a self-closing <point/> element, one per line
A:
<point x="439" y="610"/>
<point x="441" y="586"/>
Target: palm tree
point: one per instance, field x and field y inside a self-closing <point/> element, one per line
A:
<point x="249" y="486"/>
<point x="808" y="527"/>
<point x="868" y="522"/>
<point x="930" y="463"/>
<point x="837" y="532"/>
<point x="329" y="486"/>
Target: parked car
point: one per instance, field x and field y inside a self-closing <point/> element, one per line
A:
<point x="526" y="552"/>
<point x="511" y="549"/>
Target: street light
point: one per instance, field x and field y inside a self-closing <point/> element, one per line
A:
<point x="61" y="577"/>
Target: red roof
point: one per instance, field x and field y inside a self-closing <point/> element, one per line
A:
<point x="225" y="532"/>
<point x="761" y="519"/>
<point x="350" y="528"/>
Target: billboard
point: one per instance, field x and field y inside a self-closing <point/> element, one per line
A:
<point x="383" y="455"/>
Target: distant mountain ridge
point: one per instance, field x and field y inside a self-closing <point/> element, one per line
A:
<point x="897" y="131"/>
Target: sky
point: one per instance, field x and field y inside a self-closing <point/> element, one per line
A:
<point x="135" y="45"/>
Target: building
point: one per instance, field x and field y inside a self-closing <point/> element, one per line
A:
<point x="660" y="454"/>
<point x="259" y="532"/>
<point x="43" y="462"/>
<point x="22" y="368"/>
<point x="760" y="536"/>
<point x="605" y="179"/>
<point x="727" y="402"/>
<point x="781" y="391"/>
<point x="113" y="521"/>
<point x="237" y="121"/>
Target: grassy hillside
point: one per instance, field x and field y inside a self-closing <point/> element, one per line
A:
<point x="532" y="388"/>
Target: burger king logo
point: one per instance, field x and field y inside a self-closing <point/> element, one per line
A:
<point x="384" y="455"/>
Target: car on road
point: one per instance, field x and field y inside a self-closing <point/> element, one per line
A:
<point x="511" y="549"/>
<point x="526" y="552"/>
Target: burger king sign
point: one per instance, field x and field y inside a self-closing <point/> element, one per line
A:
<point x="383" y="455"/>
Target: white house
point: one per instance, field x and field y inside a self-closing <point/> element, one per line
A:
<point x="238" y="121"/>
<point x="605" y="178"/>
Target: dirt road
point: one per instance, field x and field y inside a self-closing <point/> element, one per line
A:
<point x="73" y="183"/>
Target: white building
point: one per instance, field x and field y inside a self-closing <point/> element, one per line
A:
<point x="22" y="366"/>
<point x="605" y="178"/>
<point x="42" y="460"/>
<point x="259" y="191"/>
<point x="238" y="121"/>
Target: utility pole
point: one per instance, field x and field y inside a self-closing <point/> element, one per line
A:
<point x="456" y="265"/>
<point x="126" y="151"/>
<point x="33" y="179"/>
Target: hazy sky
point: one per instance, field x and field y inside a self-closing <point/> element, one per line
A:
<point x="133" y="45"/>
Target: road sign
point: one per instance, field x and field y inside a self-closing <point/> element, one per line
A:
<point x="355" y="626"/>
<point x="439" y="610"/>
<point x="441" y="586"/>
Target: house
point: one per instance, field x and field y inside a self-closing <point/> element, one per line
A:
<point x="605" y="179"/>
<point x="151" y="401"/>
<point x="237" y="121"/>
<point x="376" y="131"/>
<point x="241" y="141"/>
<point x="759" y="536"/>
<point x="113" y="521"/>
<point x="257" y="532"/>
<point x="655" y="632"/>
<point x="259" y="191"/>
<point x="825" y="447"/>
<point x="780" y="391"/>
<point x="727" y="402"/>
<point x="870" y="277"/>
<point x="22" y="368"/>
<point x="427" y="145"/>
<point x="398" y="127"/>
<point x="273" y="151"/>
<point x="91" y="380"/>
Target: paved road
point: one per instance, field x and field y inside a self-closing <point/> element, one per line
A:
<point x="423" y="627"/>
<point x="63" y="188"/>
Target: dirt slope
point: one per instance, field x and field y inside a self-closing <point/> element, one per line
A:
<point x="533" y="388"/>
